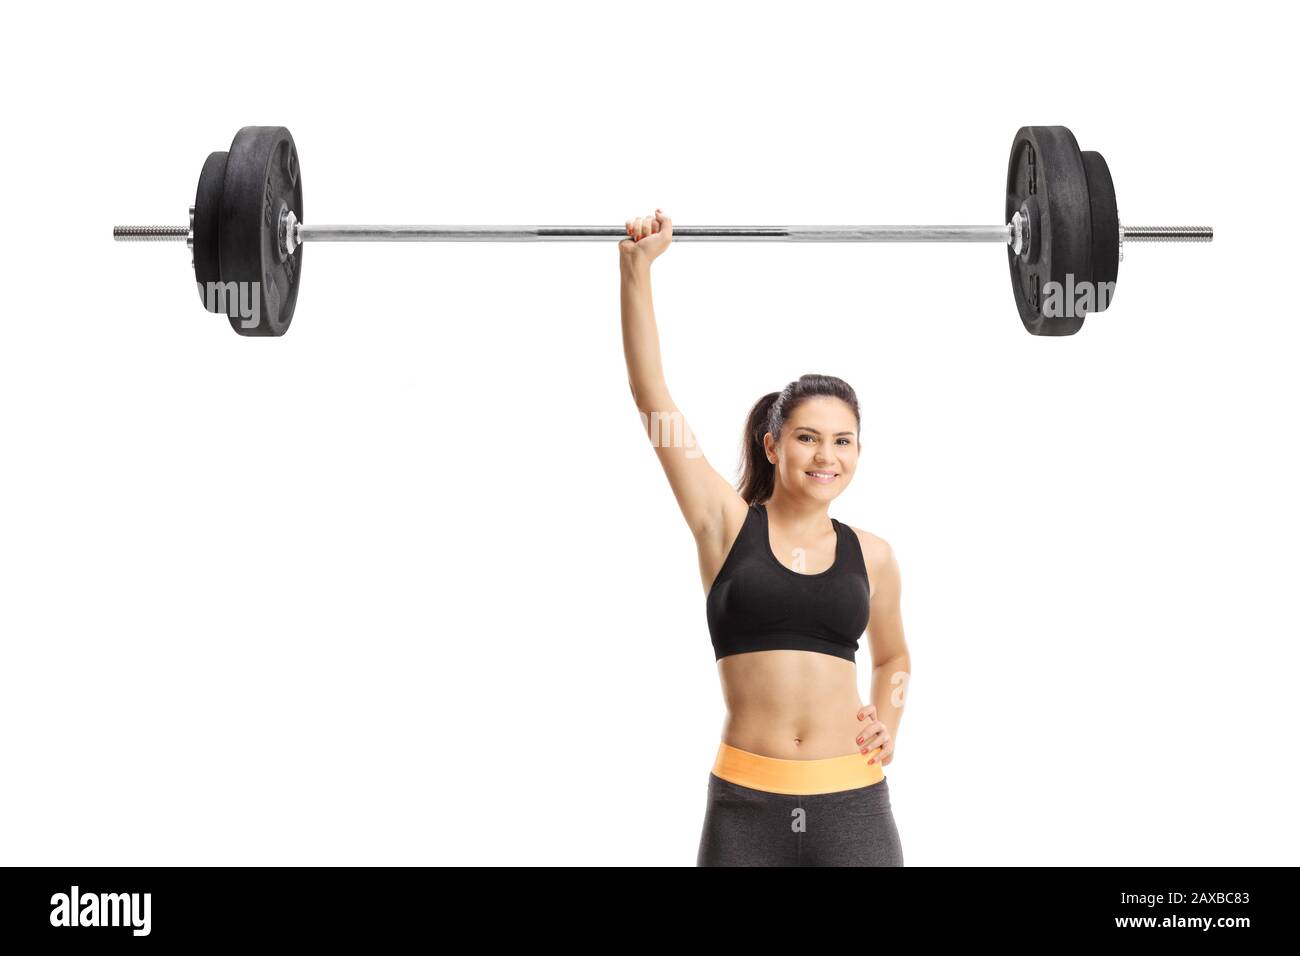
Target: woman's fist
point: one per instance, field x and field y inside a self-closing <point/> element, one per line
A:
<point x="648" y="237"/>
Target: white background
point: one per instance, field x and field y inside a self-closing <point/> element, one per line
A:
<point x="408" y="585"/>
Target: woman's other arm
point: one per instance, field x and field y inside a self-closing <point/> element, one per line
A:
<point x="891" y="664"/>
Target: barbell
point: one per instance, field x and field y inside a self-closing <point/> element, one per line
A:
<point x="1062" y="231"/>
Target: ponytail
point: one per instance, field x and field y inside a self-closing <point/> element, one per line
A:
<point x="758" y="475"/>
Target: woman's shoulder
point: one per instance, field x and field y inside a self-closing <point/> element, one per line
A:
<point x="876" y="551"/>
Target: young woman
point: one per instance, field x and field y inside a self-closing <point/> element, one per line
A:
<point x="798" y="778"/>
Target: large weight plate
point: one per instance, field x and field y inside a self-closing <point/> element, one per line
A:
<point x="1046" y="173"/>
<point x="262" y="177"/>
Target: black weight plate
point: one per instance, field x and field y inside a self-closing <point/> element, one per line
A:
<point x="207" y="210"/>
<point x="1105" y="229"/>
<point x="1046" y="164"/>
<point x="262" y="175"/>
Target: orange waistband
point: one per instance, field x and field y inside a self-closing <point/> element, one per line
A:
<point x="798" y="777"/>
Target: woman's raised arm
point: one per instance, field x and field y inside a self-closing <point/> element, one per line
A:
<point x="702" y="493"/>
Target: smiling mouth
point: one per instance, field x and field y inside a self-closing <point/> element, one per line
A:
<point x="822" y="476"/>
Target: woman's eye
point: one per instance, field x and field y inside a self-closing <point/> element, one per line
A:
<point x="840" y="441"/>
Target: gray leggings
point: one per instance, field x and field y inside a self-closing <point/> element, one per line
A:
<point x="748" y="827"/>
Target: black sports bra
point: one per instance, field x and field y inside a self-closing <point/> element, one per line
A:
<point x="756" y="603"/>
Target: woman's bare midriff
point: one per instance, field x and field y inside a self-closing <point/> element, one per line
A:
<point x="796" y="705"/>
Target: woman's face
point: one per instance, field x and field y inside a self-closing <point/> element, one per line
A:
<point x="818" y="450"/>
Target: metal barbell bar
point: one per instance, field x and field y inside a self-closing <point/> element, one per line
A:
<point x="910" y="233"/>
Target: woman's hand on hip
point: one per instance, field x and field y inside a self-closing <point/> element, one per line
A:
<point x="873" y="735"/>
<point x="648" y="236"/>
